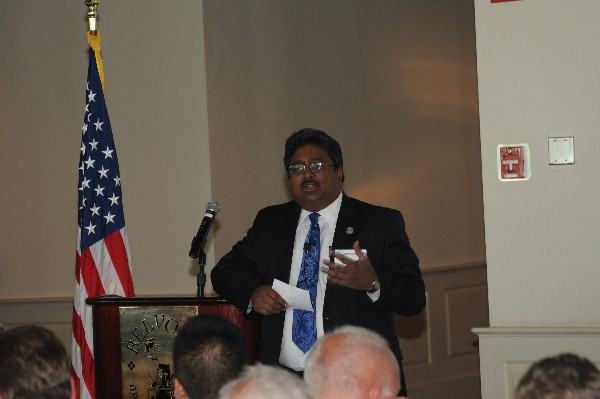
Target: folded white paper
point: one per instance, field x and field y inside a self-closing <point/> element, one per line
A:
<point x="295" y="297"/>
<point x="350" y="253"/>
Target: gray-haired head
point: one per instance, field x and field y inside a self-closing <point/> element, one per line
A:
<point x="265" y="382"/>
<point x="349" y="363"/>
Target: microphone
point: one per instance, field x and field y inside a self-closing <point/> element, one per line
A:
<point x="307" y="246"/>
<point x="199" y="241"/>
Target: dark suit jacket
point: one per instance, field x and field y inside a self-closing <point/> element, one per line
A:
<point x="266" y="253"/>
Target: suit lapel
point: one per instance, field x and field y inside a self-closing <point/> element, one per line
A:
<point x="345" y="228"/>
<point x="286" y="236"/>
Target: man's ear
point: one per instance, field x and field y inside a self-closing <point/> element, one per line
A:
<point x="178" y="391"/>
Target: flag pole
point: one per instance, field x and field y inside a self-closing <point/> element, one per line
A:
<point x="92" y="14"/>
<point x="103" y="262"/>
<point x="93" y="35"/>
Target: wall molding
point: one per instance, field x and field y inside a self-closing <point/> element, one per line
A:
<point x="441" y="353"/>
<point x="507" y="352"/>
<point x="52" y="313"/>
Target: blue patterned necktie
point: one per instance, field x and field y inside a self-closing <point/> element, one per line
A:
<point x="304" y="326"/>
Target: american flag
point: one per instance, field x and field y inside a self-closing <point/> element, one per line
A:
<point x="103" y="259"/>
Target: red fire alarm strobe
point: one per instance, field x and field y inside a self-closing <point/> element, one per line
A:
<point x="513" y="162"/>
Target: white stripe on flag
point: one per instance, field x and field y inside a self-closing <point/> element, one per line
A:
<point x="106" y="269"/>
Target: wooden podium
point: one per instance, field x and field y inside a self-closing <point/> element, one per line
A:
<point x="133" y="341"/>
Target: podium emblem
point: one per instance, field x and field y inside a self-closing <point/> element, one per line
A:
<point x="147" y="336"/>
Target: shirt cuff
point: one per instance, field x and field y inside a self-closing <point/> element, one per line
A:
<point x="375" y="296"/>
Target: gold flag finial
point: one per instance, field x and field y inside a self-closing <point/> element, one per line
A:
<point x="92" y="14"/>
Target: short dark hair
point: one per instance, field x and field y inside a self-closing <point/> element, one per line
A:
<point x="208" y="351"/>
<point x="33" y="364"/>
<point x="558" y="377"/>
<point x="316" y="137"/>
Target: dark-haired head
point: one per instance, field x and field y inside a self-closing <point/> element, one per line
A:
<point x="33" y="364"/>
<point x="559" y="377"/>
<point x="315" y="137"/>
<point x="208" y="351"/>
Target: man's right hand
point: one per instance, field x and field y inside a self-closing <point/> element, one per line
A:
<point x="266" y="301"/>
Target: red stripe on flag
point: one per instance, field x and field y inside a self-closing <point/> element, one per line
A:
<point x="87" y="359"/>
<point x="91" y="278"/>
<point x="118" y="254"/>
<point x="76" y="382"/>
<point x="77" y="267"/>
<point x="78" y="331"/>
<point x="87" y="275"/>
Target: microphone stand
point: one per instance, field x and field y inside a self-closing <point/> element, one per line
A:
<point x="197" y="251"/>
<point x="199" y="241"/>
<point x="201" y="278"/>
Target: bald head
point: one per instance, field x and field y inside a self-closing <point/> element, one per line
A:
<point x="352" y="362"/>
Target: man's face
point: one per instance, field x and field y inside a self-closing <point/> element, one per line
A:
<point x="314" y="191"/>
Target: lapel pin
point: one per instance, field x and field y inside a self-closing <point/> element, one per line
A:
<point x="349" y="230"/>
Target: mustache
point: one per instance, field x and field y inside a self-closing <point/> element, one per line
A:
<point x="310" y="181"/>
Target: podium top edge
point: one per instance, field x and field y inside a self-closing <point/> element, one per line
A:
<point x="154" y="301"/>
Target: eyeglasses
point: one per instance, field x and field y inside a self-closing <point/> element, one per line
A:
<point x="315" y="167"/>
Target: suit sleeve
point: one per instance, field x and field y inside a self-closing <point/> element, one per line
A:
<point x="236" y="276"/>
<point x="397" y="265"/>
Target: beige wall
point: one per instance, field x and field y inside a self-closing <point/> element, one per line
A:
<point x="538" y="63"/>
<point x="155" y="88"/>
<point x="393" y="81"/>
<point x="201" y="97"/>
<point x="538" y="77"/>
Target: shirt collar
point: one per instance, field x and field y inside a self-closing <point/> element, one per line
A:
<point x="330" y="213"/>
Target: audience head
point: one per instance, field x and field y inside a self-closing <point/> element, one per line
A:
<point x="265" y="382"/>
<point x="564" y="376"/>
<point x="33" y="365"/>
<point x="352" y="362"/>
<point x="208" y="351"/>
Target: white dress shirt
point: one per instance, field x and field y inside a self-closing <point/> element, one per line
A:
<point x="291" y="356"/>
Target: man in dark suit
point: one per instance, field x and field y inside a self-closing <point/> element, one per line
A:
<point x="378" y="274"/>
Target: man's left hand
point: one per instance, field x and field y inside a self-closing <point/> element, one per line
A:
<point x="358" y="274"/>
